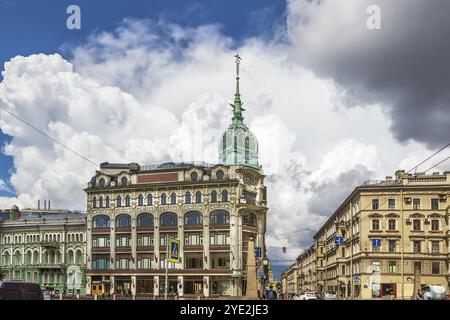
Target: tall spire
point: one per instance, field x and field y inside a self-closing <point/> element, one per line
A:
<point x="237" y="106"/>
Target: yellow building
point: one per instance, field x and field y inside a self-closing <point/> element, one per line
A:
<point x="381" y="234"/>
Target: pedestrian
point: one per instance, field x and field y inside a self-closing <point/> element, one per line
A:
<point x="271" y="294"/>
<point x="419" y="295"/>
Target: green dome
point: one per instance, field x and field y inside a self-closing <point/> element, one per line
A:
<point x="238" y="145"/>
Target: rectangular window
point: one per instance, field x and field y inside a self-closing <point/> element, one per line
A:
<point x="163" y="238"/>
<point x="122" y="261"/>
<point x="219" y="238"/>
<point x="392" y="224"/>
<point x="122" y="240"/>
<point x="376" y="266"/>
<point x="435" y="225"/>
<point x="391" y="203"/>
<point x="144" y="261"/>
<point x="100" y="241"/>
<point x="392" y="266"/>
<point x="375" y="204"/>
<point x="416" y="225"/>
<point x="392" y="245"/>
<point x="416" y="203"/>
<point x="193" y="239"/>
<point x="435" y="246"/>
<point x="435" y="267"/>
<point x="343" y="270"/>
<point x="100" y="262"/>
<point x="417" y="246"/>
<point x="145" y="240"/>
<point x="417" y="266"/>
<point x="435" y="204"/>
<point x="193" y="262"/>
<point x="375" y="224"/>
<point x="163" y="262"/>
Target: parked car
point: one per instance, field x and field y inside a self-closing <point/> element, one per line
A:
<point x="308" y="296"/>
<point x="330" y="295"/>
<point x="298" y="296"/>
<point x="20" y="290"/>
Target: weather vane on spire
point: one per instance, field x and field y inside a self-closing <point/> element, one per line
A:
<point x="238" y="61"/>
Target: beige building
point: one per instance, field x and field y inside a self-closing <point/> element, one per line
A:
<point x="289" y="280"/>
<point x="307" y="274"/>
<point x="381" y="234"/>
<point x="212" y="209"/>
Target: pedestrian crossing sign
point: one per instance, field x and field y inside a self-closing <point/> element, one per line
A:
<point x="174" y="250"/>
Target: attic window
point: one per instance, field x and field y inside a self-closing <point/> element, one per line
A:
<point x="124" y="181"/>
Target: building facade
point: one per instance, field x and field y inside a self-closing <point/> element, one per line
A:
<point x="212" y="209"/>
<point x="44" y="246"/>
<point x="289" y="280"/>
<point x="383" y="236"/>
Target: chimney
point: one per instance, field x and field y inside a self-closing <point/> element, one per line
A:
<point x="388" y="178"/>
<point x="435" y="173"/>
<point x="39" y="204"/>
<point x="399" y="174"/>
<point x="48" y="204"/>
<point x="45" y="204"/>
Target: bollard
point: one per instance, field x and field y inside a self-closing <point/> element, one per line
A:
<point x="95" y="297"/>
<point x="134" y="297"/>
<point x="78" y="296"/>
<point x="114" y="296"/>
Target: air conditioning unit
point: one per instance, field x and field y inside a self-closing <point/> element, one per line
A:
<point x="408" y="200"/>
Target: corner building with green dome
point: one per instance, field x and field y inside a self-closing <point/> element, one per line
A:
<point x="213" y="209"/>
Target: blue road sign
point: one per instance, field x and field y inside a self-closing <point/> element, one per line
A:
<point x="339" y="241"/>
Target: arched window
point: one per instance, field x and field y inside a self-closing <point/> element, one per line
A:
<point x="173" y="198"/>
<point x="193" y="218"/>
<point x="124" y="181"/>
<point x="198" y="197"/>
<point x="78" y="257"/>
<point x="247" y="149"/>
<point x="219" y="217"/>
<point x="119" y="201"/>
<point x="168" y="219"/>
<point x="101" y="202"/>
<point x="145" y="220"/>
<point x="149" y="199"/>
<point x="127" y="201"/>
<point x="94" y="202"/>
<point x="214" y="196"/>
<point x="101" y="183"/>
<point x="163" y="199"/>
<point x="219" y="175"/>
<point x="100" y="221"/>
<point x="123" y="221"/>
<point x="224" y="196"/>
<point x="107" y="202"/>
<point x="71" y="259"/>
<point x="194" y="176"/>
<point x="187" y="197"/>
<point x="249" y="219"/>
<point x="140" y="200"/>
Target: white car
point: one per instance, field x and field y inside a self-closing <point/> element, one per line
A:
<point x="330" y="296"/>
<point x="308" y="296"/>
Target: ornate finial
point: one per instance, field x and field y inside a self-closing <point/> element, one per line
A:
<point x="237" y="106"/>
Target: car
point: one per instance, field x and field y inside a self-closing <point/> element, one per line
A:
<point x="299" y="296"/>
<point x="20" y="290"/>
<point x="307" y="296"/>
<point x="330" y="295"/>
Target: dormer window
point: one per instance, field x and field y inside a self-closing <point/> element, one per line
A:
<point x="219" y="175"/>
<point x="124" y="181"/>
<point x="194" y="177"/>
<point x="101" y="183"/>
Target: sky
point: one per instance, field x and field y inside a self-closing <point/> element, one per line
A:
<point x="332" y="102"/>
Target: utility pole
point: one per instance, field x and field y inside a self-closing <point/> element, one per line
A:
<point x="166" y="289"/>
<point x="351" y="250"/>
<point x="402" y="243"/>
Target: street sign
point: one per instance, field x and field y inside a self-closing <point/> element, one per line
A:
<point x="260" y="274"/>
<point x="258" y="252"/>
<point x="339" y="241"/>
<point x="376" y="243"/>
<point x="174" y="250"/>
